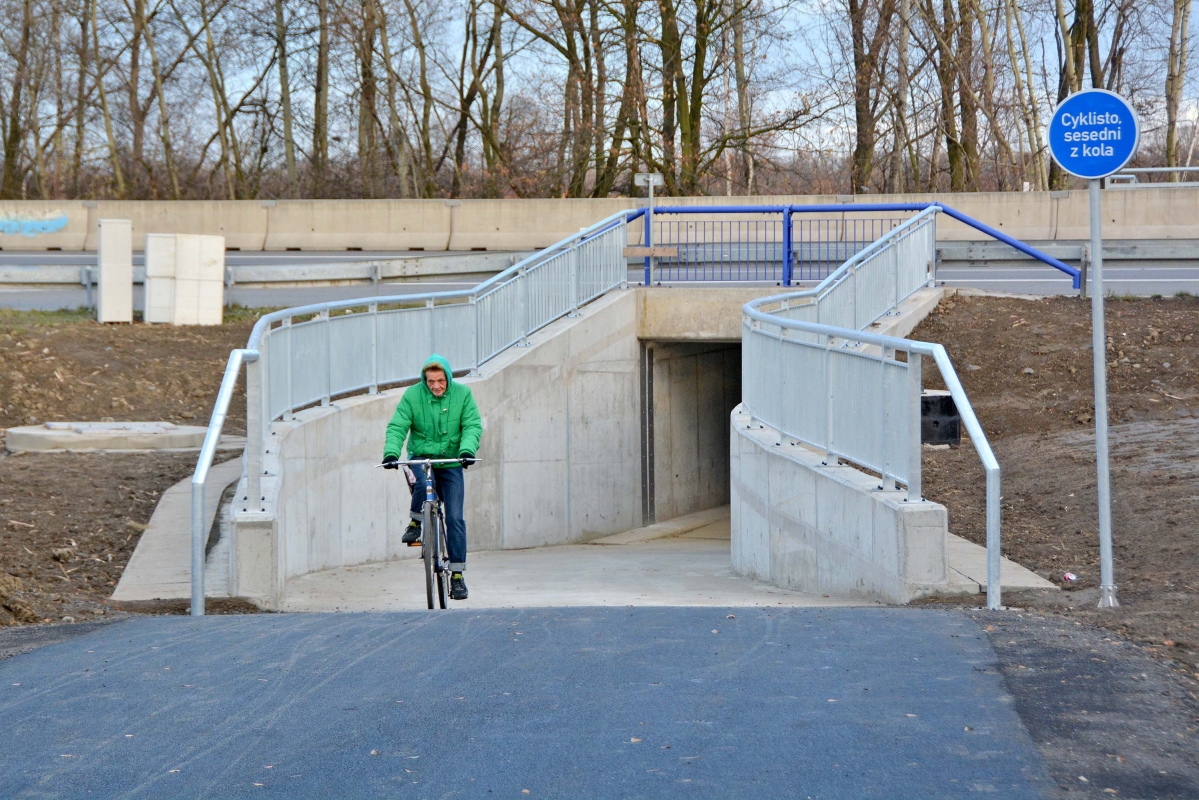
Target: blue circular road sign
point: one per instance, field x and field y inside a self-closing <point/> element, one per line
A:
<point x="1093" y="133"/>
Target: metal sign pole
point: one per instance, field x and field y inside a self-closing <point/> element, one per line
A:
<point x="650" y="235"/>
<point x="1107" y="582"/>
<point x="1093" y="134"/>
<point x="650" y="179"/>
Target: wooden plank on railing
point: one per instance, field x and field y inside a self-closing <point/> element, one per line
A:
<point x="640" y="251"/>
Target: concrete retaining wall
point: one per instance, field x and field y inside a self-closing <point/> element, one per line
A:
<point x="826" y="529"/>
<point x="1157" y="213"/>
<point x="561" y="463"/>
<point x="560" y="451"/>
<point x="560" y="456"/>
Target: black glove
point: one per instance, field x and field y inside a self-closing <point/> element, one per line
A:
<point x="391" y="462"/>
<point x="467" y="459"/>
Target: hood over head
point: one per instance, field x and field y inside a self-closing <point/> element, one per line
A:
<point x="441" y="363"/>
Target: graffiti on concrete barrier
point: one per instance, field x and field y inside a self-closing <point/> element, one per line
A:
<point x="33" y="224"/>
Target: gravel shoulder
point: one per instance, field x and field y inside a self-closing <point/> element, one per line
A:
<point x="1110" y="718"/>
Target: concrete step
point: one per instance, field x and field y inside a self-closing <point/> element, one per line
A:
<point x="968" y="569"/>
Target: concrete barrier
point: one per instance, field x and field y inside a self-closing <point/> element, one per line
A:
<point x="114" y="292"/>
<point x="802" y="524"/>
<point x="1149" y="213"/>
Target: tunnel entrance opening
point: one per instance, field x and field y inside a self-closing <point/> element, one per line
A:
<point x="688" y="390"/>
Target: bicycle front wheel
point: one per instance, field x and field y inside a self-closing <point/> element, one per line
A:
<point x="443" y="564"/>
<point x="428" y="540"/>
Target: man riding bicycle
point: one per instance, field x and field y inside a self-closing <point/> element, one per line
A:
<point x="439" y="419"/>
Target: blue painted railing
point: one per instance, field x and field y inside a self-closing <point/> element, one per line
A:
<point x="771" y="249"/>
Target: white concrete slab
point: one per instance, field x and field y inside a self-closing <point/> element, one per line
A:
<point x="86" y="436"/>
<point x="683" y="562"/>
<point x="160" y="568"/>
<point x="969" y="563"/>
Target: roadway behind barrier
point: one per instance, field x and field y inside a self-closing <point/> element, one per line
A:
<point x="1157" y="213"/>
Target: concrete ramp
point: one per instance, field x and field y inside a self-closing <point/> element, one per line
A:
<point x="683" y="562"/>
<point x="160" y="567"/>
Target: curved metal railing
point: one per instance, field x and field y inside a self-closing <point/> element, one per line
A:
<point x="291" y="364"/>
<point x="844" y="390"/>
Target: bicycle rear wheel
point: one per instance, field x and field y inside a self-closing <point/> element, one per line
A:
<point x="428" y="539"/>
<point x="443" y="564"/>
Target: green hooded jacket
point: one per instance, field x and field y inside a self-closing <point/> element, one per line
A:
<point x="441" y="427"/>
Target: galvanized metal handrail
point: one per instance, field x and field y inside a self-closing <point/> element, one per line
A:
<point x="200" y="477"/>
<point x="589" y="232"/>
<point x="754" y="313"/>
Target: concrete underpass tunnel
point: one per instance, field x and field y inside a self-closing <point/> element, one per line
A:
<point x="688" y="391"/>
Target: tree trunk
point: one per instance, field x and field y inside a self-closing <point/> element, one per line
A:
<point x="397" y="139"/>
<point x="289" y="142"/>
<point x="426" y="182"/>
<point x="492" y="108"/>
<point x="137" y="112"/>
<point x="367" y="99"/>
<point x="865" y="84"/>
<point x="748" y="179"/>
<point x="900" y="145"/>
<point x="13" y="175"/>
<point x="1176" y="74"/>
<point x="672" y="70"/>
<point x="80" y="97"/>
<point x="164" y="121"/>
<point x="320" y="113"/>
<point x="118" y="175"/>
<point x="966" y="99"/>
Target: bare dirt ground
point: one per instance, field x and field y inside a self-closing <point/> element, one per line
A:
<point x="61" y="365"/>
<point x="69" y="522"/>
<point x="1026" y="365"/>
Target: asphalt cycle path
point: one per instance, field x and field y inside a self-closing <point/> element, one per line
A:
<point x="551" y="703"/>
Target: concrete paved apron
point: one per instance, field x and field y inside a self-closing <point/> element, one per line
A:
<point x="681" y="562"/>
<point x="563" y="703"/>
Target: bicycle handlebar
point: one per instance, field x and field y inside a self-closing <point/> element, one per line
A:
<point x="420" y="462"/>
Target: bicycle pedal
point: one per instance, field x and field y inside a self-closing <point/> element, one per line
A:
<point x="414" y="544"/>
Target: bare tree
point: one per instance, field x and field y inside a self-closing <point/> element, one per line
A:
<point x="1176" y="70"/>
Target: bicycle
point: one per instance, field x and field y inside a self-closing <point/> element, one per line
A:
<point x="434" y="548"/>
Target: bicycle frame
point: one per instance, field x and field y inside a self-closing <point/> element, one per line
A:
<point x="433" y="535"/>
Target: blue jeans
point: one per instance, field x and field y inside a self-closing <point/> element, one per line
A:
<point x="448" y="483"/>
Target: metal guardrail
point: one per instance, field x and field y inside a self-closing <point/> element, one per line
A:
<point x="381" y="340"/>
<point x="754" y="249"/>
<point x="774" y="256"/>
<point x="1127" y="178"/>
<point x="812" y="381"/>
<point x="876" y="279"/>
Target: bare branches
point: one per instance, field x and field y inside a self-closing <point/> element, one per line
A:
<point x="497" y="98"/>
